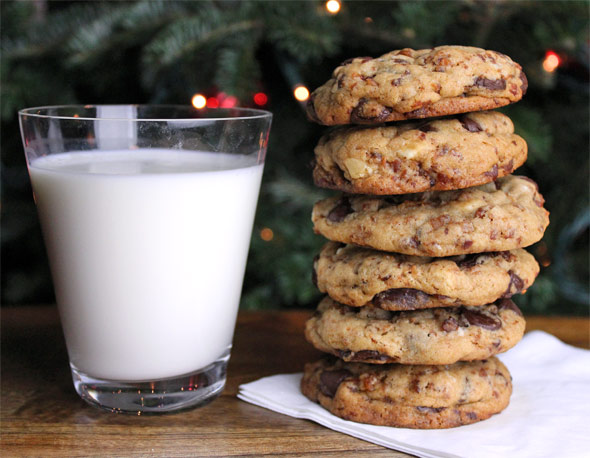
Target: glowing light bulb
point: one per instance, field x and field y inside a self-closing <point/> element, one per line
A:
<point x="229" y="102"/>
<point x="267" y="234"/>
<point x="199" y="101"/>
<point x="212" y="102"/>
<point x="260" y="98"/>
<point x="333" y="6"/>
<point x="551" y="61"/>
<point x="301" y="93"/>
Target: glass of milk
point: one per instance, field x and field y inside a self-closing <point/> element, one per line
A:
<point x="147" y="214"/>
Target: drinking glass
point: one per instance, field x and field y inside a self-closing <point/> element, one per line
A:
<point x="147" y="214"/>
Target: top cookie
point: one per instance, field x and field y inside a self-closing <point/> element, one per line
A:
<point x="408" y="84"/>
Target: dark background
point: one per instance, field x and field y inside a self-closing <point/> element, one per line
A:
<point x="167" y="51"/>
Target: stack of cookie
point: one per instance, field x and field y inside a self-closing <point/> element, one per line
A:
<point x="426" y="245"/>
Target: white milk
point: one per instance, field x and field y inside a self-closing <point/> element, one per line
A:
<point x="147" y="250"/>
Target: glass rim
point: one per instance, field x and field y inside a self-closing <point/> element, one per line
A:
<point x="255" y="113"/>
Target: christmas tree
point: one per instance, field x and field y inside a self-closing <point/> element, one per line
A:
<point x="256" y="53"/>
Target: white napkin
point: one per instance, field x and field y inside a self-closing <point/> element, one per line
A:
<point x="548" y="415"/>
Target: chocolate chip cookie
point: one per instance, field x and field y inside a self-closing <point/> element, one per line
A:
<point x="498" y="216"/>
<point x="433" y="155"/>
<point x="407" y="83"/>
<point x="424" y="397"/>
<point x="432" y="336"/>
<point x="359" y="276"/>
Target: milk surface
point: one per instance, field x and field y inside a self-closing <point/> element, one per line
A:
<point x="147" y="251"/>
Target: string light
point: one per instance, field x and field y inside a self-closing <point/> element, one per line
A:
<point x="333" y="6"/>
<point x="199" y="101"/>
<point x="212" y="102"/>
<point x="267" y="234"/>
<point x="260" y="99"/>
<point x="301" y="93"/>
<point x="551" y="61"/>
<point x="229" y="102"/>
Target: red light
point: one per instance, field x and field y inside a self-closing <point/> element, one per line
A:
<point x="212" y="102"/>
<point x="551" y="61"/>
<point x="260" y="98"/>
<point x="229" y="102"/>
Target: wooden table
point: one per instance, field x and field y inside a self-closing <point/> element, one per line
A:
<point x="41" y="415"/>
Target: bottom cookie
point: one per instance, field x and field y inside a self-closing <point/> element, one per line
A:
<point x="405" y="396"/>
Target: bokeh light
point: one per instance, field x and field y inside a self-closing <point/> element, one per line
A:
<point x="212" y="102"/>
<point x="199" y="101"/>
<point x="333" y="6"/>
<point x="267" y="234"/>
<point x="551" y="61"/>
<point x="260" y="98"/>
<point x="301" y="93"/>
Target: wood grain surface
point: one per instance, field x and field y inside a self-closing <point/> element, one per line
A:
<point x="41" y="415"/>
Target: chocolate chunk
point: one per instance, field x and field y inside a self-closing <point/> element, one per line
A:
<point x="331" y="380"/>
<point x="515" y="281"/>
<point x="424" y="409"/>
<point x="525" y="84"/>
<point x="421" y="112"/>
<point x="362" y="355"/>
<point x="508" y="167"/>
<point x="508" y="304"/>
<point x="467" y="244"/>
<point x="450" y="324"/>
<point x="426" y="127"/>
<point x="398" y="81"/>
<point x="414" y="242"/>
<point x="357" y="115"/>
<point x="506" y="255"/>
<point x="471" y="415"/>
<point x="376" y="156"/>
<point x="402" y="298"/>
<point x="339" y="212"/>
<point x="424" y="173"/>
<point x="469" y="124"/>
<point x="477" y="318"/>
<point x="493" y="85"/>
<point x="440" y="221"/>
<point x="480" y="212"/>
<point x="468" y="261"/>
<point x="493" y="172"/>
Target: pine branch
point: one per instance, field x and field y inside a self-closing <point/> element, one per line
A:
<point x="122" y="28"/>
<point x="297" y="28"/>
<point x="47" y="37"/>
<point x="529" y="124"/>
<point x="238" y="71"/>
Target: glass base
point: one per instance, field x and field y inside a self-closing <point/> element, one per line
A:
<point x="154" y="397"/>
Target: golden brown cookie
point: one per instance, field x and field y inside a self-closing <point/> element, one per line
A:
<point x="358" y="276"/>
<point x="423" y="397"/>
<point x="499" y="216"/>
<point x="407" y="83"/>
<point x="433" y="155"/>
<point x="431" y="336"/>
